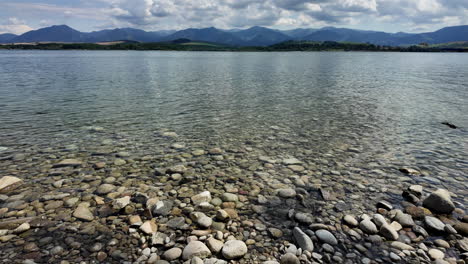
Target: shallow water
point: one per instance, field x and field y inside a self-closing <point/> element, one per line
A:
<point x="348" y="111"/>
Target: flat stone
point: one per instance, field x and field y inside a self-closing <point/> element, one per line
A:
<point x="385" y="205"/>
<point x="303" y="240"/>
<point x="234" y="249"/>
<point x="416" y="190"/>
<point x="68" y="163"/>
<point x="121" y="202"/>
<point x="367" y="226"/>
<point x="177" y="223"/>
<point x="177" y="169"/>
<point x="163" y="207"/>
<point x="22" y="228"/>
<point x="214" y="245"/>
<point x="401" y="246"/>
<point x="436" y="254"/>
<point x="404" y="219"/>
<point x="439" y="202"/>
<point x="105" y="188"/>
<point x="229" y="197"/>
<point x="287" y="193"/>
<point x="379" y="220"/>
<point x="292" y="161"/>
<point x="195" y="249"/>
<point x="204" y="197"/>
<point x="275" y="232"/>
<point x="9" y="183"/>
<point x="149" y="227"/>
<point x="326" y="236"/>
<point x="119" y="162"/>
<point x="172" y="254"/>
<point x="289" y="258"/>
<point x="350" y="220"/>
<point x="82" y="212"/>
<point x="462" y="228"/>
<point x="434" y="223"/>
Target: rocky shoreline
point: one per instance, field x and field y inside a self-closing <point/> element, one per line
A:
<point x="216" y="205"/>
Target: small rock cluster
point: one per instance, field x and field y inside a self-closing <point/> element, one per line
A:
<point x="89" y="210"/>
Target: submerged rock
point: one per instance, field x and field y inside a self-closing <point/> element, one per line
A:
<point x="303" y="240"/>
<point x="9" y="183"/>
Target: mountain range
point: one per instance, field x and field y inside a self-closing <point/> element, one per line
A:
<point x="254" y="36"/>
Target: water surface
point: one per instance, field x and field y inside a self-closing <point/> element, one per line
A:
<point x="341" y="110"/>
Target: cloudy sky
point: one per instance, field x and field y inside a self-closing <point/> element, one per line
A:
<point x="18" y="16"/>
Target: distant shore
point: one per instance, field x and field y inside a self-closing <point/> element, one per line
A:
<point x="188" y="45"/>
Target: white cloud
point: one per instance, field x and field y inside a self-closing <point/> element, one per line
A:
<point x="15" y="26"/>
<point x="179" y="14"/>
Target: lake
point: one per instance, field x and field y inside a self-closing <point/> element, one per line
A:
<point x="344" y="122"/>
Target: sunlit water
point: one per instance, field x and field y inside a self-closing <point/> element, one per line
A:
<point x="379" y="110"/>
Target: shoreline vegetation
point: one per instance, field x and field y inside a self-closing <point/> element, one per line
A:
<point x="188" y="45"/>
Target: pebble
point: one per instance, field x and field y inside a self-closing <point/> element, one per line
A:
<point x="172" y="254"/>
<point x="289" y="258"/>
<point x="434" y="223"/>
<point x="350" y="220"/>
<point x="436" y="254"/>
<point x="326" y="237"/>
<point x="214" y="245"/>
<point x="149" y="227"/>
<point x="439" y="202"/>
<point x="105" y="188"/>
<point x="9" y="183"/>
<point x="303" y="240"/>
<point x="287" y="193"/>
<point x="82" y="212"/>
<point x="234" y="249"/>
<point x="367" y="226"/>
<point x="195" y="249"/>
<point x="389" y="232"/>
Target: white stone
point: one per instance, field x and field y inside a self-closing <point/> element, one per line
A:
<point x="9" y="183"/>
<point x="234" y="249"/>
<point x="195" y="249"/>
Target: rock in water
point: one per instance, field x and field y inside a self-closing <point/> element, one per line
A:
<point x="303" y="240"/>
<point x="439" y="202"/>
<point x="234" y="249"/>
<point x="9" y="183"/>
<point x="326" y="237"/>
<point x="82" y="212"/>
<point x="69" y="163"/>
<point x="195" y="249"/>
<point x="452" y="126"/>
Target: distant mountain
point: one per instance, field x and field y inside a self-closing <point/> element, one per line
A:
<point x="206" y="34"/>
<point x="260" y="36"/>
<point x="448" y="34"/>
<point x="123" y="34"/>
<point x="254" y="36"/>
<point x="61" y="33"/>
<point x="298" y="32"/>
<point x="7" y="37"/>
